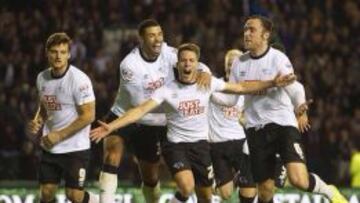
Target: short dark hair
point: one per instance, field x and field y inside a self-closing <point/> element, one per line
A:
<point x="189" y="47"/>
<point x="145" y="24"/>
<point x="266" y="22"/>
<point x="56" y="39"/>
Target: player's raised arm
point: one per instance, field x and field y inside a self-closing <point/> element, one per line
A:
<point x="129" y="117"/>
<point x="255" y="86"/>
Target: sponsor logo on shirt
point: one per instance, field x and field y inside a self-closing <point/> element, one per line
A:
<point x="190" y="108"/>
<point x="153" y="85"/>
<point x="51" y="103"/>
<point x="230" y="112"/>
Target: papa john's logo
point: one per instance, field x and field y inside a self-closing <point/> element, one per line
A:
<point x="51" y="103"/>
<point x="191" y="108"/>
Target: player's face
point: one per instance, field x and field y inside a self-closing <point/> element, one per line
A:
<point x="187" y="66"/>
<point x="58" y="56"/>
<point x="254" y="34"/>
<point x="152" y="40"/>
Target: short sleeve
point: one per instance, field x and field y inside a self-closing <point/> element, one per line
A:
<point x="127" y="74"/>
<point x="284" y="65"/>
<point x="83" y="90"/>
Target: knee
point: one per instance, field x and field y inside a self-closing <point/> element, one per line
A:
<point x="266" y="191"/>
<point x="225" y="194"/>
<point x="186" y="189"/>
<point x="151" y="181"/>
<point x="75" y="197"/>
<point x="112" y="158"/>
<point x="113" y="153"/>
<point x="149" y="173"/>
<point x="47" y="194"/>
<point x="299" y="181"/>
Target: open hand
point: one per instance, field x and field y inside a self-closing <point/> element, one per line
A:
<point x="100" y="132"/>
<point x="203" y="80"/>
<point x="303" y="122"/>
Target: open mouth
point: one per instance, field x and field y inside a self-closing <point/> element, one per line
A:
<point x="187" y="72"/>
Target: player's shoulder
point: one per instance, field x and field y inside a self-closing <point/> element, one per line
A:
<point x="241" y="60"/>
<point x="277" y="54"/>
<point x="168" y="50"/>
<point x="77" y="72"/>
<point x="131" y="58"/>
<point x="44" y="73"/>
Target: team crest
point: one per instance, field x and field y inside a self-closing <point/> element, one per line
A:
<point x="127" y="74"/>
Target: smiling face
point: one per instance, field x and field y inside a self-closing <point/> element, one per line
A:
<point x="58" y="56"/>
<point x="151" y="40"/>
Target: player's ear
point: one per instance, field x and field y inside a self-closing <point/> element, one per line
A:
<point x="69" y="56"/>
<point x="267" y="35"/>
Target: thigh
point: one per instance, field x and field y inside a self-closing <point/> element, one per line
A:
<point x="262" y="155"/>
<point x="201" y="165"/>
<point x="241" y="163"/>
<point x="291" y="147"/>
<point x="75" y="166"/>
<point x="222" y="167"/>
<point x="175" y="157"/>
<point x="124" y="133"/>
<point x="50" y="171"/>
<point x="147" y="142"/>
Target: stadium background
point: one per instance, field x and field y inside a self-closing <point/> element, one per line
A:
<point x="321" y="38"/>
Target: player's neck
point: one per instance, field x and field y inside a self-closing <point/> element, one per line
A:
<point x="188" y="81"/>
<point x="59" y="72"/>
<point x="259" y="52"/>
<point x="147" y="55"/>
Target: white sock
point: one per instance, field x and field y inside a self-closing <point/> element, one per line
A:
<point x="108" y="185"/>
<point x="93" y="198"/>
<point x="321" y="187"/>
<point x="151" y="194"/>
<point x="174" y="200"/>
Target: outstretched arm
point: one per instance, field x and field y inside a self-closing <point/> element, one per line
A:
<point x="255" y="86"/>
<point x="129" y="117"/>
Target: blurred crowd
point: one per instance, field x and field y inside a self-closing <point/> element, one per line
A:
<point x="321" y="38"/>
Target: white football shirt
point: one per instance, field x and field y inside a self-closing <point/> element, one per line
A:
<point x="273" y="107"/>
<point x="224" y="121"/>
<point x="60" y="96"/>
<point x="139" y="78"/>
<point x="186" y="109"/>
